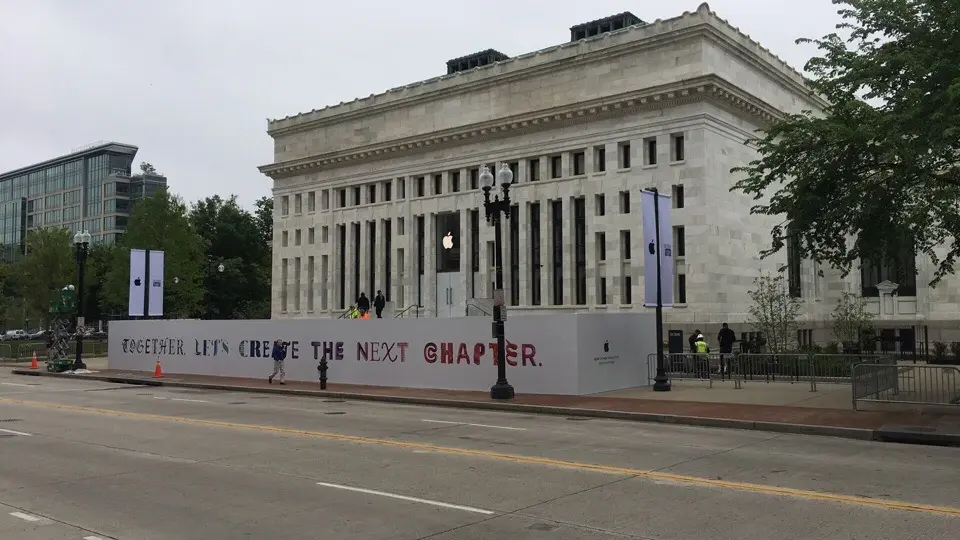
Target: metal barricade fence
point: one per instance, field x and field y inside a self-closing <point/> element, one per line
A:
<point x="909" y="384"/>
<point x="772" y="367"/>
<point x="6" y="351"/>
<point x="25" y="350"/>
<point x="692" y="366"/>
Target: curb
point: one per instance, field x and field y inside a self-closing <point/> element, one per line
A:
<point x="861" y="434"/>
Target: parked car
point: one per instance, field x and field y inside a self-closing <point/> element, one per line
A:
<point x="13" y="335"/>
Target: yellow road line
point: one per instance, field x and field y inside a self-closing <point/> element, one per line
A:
<point x="653" y="475"/>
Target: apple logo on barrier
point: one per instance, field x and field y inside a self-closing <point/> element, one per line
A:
<point x="606" y="346"/>
<point x="137" y="282"/>
<point x="652" y="248"/>
<point x="448" y="241"/>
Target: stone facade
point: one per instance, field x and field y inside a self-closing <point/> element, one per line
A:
<point x="345" y="173"/>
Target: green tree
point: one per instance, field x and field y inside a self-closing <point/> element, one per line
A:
<point x="49" y="264"/>
<point x="100" y="259"/>
<point x="147" y="168"/>
<point x="233" y="237"/>
<point x="851" y="321"/>
<point x="263" y="212"/>
<point x="774" y="312"/>
<point x="159" y="223"/>
<point x="876" y="172"/>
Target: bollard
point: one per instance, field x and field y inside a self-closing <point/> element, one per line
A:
<point x="322" y="368"/>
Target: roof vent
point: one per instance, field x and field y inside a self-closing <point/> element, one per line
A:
<point x="602" y="26"/>
<point x="482" y="58"/>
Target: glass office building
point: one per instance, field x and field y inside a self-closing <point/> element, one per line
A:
<point x="90" y="189"/>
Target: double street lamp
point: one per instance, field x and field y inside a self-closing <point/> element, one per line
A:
<point x="81" y="241"/>
<point x="496" y="209"/>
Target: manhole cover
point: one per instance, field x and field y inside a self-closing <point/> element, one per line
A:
<point x="237" y="403"/>
<point x="11" y="419"/>
<point x="333" y="401"/>
<point x="335" y="412"/>
<point x="577" y="419"/>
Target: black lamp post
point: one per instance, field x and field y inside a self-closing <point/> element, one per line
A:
<point x="81" y="241"/>
<point x="494" y="210"/>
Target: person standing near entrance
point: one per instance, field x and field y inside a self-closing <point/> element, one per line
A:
<point x="279" y="355"/>
<point x="363" y="303"/>
<point x="379" y="302"/>
<point x="726" y="338"/>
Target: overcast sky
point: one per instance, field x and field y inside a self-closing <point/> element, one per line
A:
<point x="193" y="82"/>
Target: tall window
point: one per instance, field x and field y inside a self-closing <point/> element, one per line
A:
<point x="535" y="258"/>
<point x="556" y="224"/>
<point x="420" y="260"/>
<point x="372" y="250"/>
<point x="296" y="284"/>
<point x="899" y="268"/>
<point x="514" y="256"/>
<point x="283" y="280"/>
<point x="793" y="269"/>
<point x="342" y="267"/>
<point x="580" y="248"/>
<point x="356" y="262"/>
<point x="474" y="250"/>
<point x="388" y="259"/>
<point x="310" y="278"/>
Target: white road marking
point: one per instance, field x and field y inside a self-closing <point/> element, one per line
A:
<point x="159" y="397"/>
<point x="92" y="538"/>
<point x="474" y="425"/>
<point x="406" y="498"/>
<point x="25" y="517"/>
<point x="190" y="400"/>
<point x="12" y="432"/>
<point x="15" y="384"/>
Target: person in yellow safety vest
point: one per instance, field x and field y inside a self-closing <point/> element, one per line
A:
<point x="354" y="313"/>
<point x="703" y="361"/>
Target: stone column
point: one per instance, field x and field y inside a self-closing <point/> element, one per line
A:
<point x="382" y="256"/>
<point x="430" y="263"/>
<point x="590" y="235"/>
<point x="614" y="267"/>
<point x="482" y="287"/>
<point x="366" y="265"/>
<point x="569" y="281"/>
<point x="464" y="244"/>
<point x="348" y="267"/>
<point x="522" y="218"/>
<point x="546" y="253"/>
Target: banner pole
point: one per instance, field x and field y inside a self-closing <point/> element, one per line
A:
<point x="660" y="383"/>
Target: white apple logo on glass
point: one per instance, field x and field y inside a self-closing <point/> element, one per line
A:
<point x="448" y="241"/>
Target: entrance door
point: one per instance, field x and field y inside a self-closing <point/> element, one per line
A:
<point x="449" y="295"/>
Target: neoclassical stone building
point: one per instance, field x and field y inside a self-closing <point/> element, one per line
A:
<point x="366" y="190"/>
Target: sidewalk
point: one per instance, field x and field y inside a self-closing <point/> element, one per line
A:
<point x="651" y="407"/>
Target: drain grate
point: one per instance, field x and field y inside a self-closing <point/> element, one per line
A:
<point x="11" y="419"/>
<point x="335" y="412"/>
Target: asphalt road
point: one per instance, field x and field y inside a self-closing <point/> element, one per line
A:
<point x="88" y="460"/>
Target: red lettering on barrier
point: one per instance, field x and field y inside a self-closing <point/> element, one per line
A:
<point x="478" y="351"/>
<point x="446" y="353"/>
<point x="462" y="354"/>
<point x="516" y="354"/>
<point x="527" y="353"/>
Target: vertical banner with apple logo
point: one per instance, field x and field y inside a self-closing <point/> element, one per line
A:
<point x="155" y="295"/>
<point x="138" y="276"/>
<point x="656" y="215"/>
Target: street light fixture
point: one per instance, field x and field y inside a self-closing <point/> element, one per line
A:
<point x="494" y="209"/>
<point x="81" y="242"/>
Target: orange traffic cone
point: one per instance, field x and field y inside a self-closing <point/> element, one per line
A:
<point x="33" y="363"/>
<point x="157" y="372"/>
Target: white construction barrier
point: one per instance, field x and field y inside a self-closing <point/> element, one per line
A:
<point x="568" y="354"/>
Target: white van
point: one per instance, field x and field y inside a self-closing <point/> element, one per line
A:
<point x="15" y="334"/>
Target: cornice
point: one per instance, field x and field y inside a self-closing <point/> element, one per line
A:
<point x="710" y="87"/>
<point x="701" y="23"/>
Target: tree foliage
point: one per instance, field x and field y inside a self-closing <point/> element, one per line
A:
<point x="774" y="312"/>
<point x="147" y="168"/>
<point x="49" y="264"/>
<point x="159" y="222"/>
<point x="876" y="172"/>
<point x="851" y="320"/>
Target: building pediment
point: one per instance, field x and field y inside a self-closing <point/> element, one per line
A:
<point x="710" y="88"/>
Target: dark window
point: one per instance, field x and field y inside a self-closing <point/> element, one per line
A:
<point x="580" y="249"/>
<point x="420" y="186"/>
<point x="678" y="196"/>
<point x="401" y="188"/>
<point x="514" y="255"/>
<point x="474" y="249"/>
<point x="474" y="178"/>
<point x="437" y="184"/>
<point x="602" y="246"/>
<point x="681" y="289"/>
<point x="342" y="195"/>
<point x="372" y="250"/>
<point x="603" y="291"/>
<point x="651" y="150"/>
<point x="625" y="245"/>
<point x="624" y="157"/>
<point x="356" y="262"/>
<point x="599" y="159"/>
<point x="601" y="205"/>
<point x="579" y="164"/>
<point x="388" y="247"/>
<point x="680" y="242"/>
<point x="899" y="268"/>
<point x="515" y="169"/>
<point x="388" y="190"/>
<point x="455" y="181"/>
<point x="535" y="259"/>
<point x="534" y="170"/>
<point x="372" y="193"/>
<point x="420" y="260"/>
<point x="356" y="195"/>
<point x="627" y="290"/>
<point x="793" y="269"/>
<point x="556" y="224"/>
<point x="678" y="149"/>
<point x="556" y="167"/>
<point x="342" y="233"/>
<point x="624" y="202"/>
